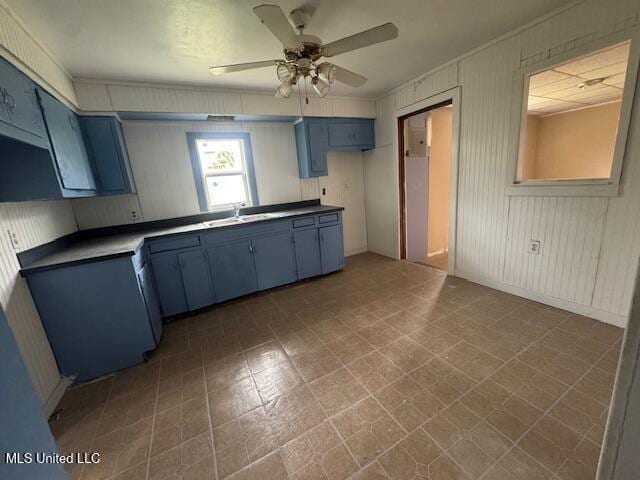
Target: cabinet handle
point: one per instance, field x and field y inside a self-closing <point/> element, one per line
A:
<point x="251" y="248"/>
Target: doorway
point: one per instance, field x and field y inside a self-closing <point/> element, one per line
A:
<point x="425" y="139"/>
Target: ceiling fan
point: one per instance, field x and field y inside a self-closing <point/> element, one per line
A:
<point x="302" y="52"/>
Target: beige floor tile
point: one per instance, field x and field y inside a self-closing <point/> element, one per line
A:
<point x="386" y="370"/>
<point x="337" y="391"/>
<point x="374" y="371"/>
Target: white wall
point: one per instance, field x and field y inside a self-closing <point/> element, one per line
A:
<point x="34" y="223"/>
<point x="589" y="245"/>
<point x="165" y="185"/>
<point x="141" y="97"/>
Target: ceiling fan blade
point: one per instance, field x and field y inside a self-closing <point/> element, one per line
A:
<point x="238" y="67"/>
<point x="275" y="20"/>
<point x="385" y="32"/>
<point x="350" y="78"/>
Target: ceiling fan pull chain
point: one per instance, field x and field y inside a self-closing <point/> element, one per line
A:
<point x="306" y="97"/>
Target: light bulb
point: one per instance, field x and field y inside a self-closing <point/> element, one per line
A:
<point x="285" y="72"/>
<point x="320" y="86"/>
<point x="326" y="72"/>
<point x="284" y="90"/>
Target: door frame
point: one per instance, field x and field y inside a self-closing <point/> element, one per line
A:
<point x="453" y="97"/>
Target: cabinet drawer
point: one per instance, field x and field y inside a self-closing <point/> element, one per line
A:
<point x="333" y="217"/>
<point x="174" y="243"/>
<point x="304" y="222"/>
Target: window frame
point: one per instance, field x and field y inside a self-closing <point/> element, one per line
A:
<point x="199" y="176"/>
<point x="605" y="187"/>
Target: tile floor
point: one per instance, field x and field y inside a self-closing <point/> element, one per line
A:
<point x="387" y="370"/>
<point x="438" y="261"/>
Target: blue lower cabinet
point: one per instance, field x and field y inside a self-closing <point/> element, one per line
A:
<point x="307" y="248"/>
<point x="148" y="292"/>
<point x="274" y="260"/>
<point x="94" y="315"/>
<point x="196" y="279"/>
<point x="331" y="248"/>
<point x="233" y="269"/>
<point x="168" y="277"/>
<point x="23" y="426"/>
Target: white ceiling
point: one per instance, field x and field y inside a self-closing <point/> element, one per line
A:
<point x="557" y="89"/>
<point x="175" y="41"/>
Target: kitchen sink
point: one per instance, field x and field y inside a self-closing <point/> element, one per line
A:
<point x="241" y="219"/>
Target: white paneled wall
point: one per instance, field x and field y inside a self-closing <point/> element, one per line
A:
<point x="34" y="223"/>
<point x="590" y="246"/>
<point x="32" y="58"/>
<point x="165" y="185"/>
<point x="139" y="97"/>
<point x="345" y="187"/>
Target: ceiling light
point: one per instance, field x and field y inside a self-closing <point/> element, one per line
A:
<point x="591" y="83"/>
<point x="320" y="86"/>
<point x="284" y="89"/>
<point x="326" y="72"/>
<point x="286" y="72"/>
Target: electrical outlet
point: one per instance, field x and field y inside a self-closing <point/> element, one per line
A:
<point x="13" y="238"/>
<point x="133" y="215"/>
<point x="534" y="247"/>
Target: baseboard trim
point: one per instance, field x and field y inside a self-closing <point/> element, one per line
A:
<point x="355" y="251"/>
<point x="56" y="395"/>
<point x="436" y="253"/>
<point x="606" y="317"/>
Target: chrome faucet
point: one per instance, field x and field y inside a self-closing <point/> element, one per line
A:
<point x="236" y="209"/>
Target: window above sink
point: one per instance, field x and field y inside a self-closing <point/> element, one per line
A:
<point x="223" y="169"/>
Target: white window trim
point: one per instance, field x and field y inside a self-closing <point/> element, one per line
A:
<point x="607" y="187"/>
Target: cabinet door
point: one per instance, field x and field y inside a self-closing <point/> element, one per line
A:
<point x="357" y="134"/>
<point x="68" y="144"/>
<point x="317" y="130"/>
<point x="307" y="249"/>
<point x="166" y="271"/>
<point x="274" y="260"/>
<point x="108" y="154"/>
<point x="233" y="270"/>
<point x="331" y="248"/>
<point x="18" y="103"/>
<point x="195" y="278"/>
<point x="150" y="301"/>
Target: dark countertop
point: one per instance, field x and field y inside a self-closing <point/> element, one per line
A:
<point x="122" y="244"/>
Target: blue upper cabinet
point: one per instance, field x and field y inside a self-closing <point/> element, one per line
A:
<point x="68" y="147"/>
<point x="20" y="116"/>
<point x="348" y="134"/>
<point x="108" y="153"/>
<point x="311" y="144"/>
<point x="316" y="136"/>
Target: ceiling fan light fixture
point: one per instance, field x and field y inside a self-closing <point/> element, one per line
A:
<point x="327" y="72"/>
<point x="285" y="71"/>
<point x="284" y="89"/>
<point x="320" y="86"/>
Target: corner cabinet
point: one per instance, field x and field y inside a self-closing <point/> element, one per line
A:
<point x="100" y="316"/>
<point x="315" y="136"/>
<point x="48" y="151"/>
